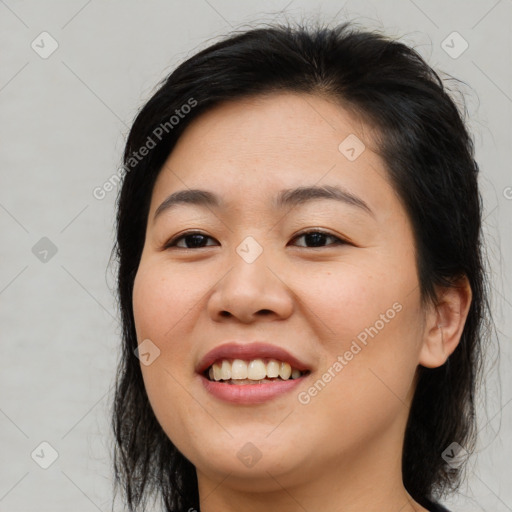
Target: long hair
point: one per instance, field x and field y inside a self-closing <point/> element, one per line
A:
<point x="429" y="156"/>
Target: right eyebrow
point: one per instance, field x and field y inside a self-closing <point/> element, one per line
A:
<point x="189" y="196"/>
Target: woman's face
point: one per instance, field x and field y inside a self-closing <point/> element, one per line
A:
<point x="345" y="304"/>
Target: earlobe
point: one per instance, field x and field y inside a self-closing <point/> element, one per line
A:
<point x="444" y="323"/>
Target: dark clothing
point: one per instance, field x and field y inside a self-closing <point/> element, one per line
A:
<point x="433" y="507"/>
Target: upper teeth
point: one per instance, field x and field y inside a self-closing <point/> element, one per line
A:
<point x="255" y="369"/>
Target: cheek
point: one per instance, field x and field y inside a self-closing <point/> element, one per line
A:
<point x="345" y="301"/>
<point x="162" y="308"/>
<point x="161" y="301"/>
<point x="370" y="324"/>
<point x="367" y="378"/>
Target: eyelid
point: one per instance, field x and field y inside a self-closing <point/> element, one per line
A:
<point x="172" y="242"/>
<point x="316" y="230"/>
<point x="341" y="240"/>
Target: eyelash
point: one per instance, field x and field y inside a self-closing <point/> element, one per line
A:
<point x="339" y="241"/>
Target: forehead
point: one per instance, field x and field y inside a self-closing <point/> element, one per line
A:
<point x="251" y="147"/>
<point x="283" y="122"/>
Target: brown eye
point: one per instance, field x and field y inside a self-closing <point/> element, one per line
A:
<point x="192" y="240"/>
<point x="317" y="238"/>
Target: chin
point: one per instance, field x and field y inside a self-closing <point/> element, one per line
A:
<point x="251" y="464"/>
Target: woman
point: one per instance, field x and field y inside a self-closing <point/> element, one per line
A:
<point x="300" y="278"/>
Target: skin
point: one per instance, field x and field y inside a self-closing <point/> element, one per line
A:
<point x="342" y="450"/>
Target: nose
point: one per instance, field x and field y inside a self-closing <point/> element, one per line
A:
<point x="251" y="291"/>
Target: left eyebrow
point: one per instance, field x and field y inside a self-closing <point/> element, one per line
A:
<point x="300" y="195"/>
<point x="285" y="198"/>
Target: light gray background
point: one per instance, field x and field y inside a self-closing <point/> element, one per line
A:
<point x="63" y="124"/>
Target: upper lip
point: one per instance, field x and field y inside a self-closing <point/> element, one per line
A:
<point x="249" y="351"/>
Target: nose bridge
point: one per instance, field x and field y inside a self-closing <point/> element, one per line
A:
<point x="251" y="287"/>
<point x="250" y="250"/>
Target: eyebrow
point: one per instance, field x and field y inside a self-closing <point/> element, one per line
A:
<point x="285" y="198"/>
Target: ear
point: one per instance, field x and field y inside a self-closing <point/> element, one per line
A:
<point x="445" y="322"/>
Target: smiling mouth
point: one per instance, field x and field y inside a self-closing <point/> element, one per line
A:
<point x="255" y="371"/>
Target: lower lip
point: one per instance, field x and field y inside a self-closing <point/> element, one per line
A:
<point x="250" y="393"/>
